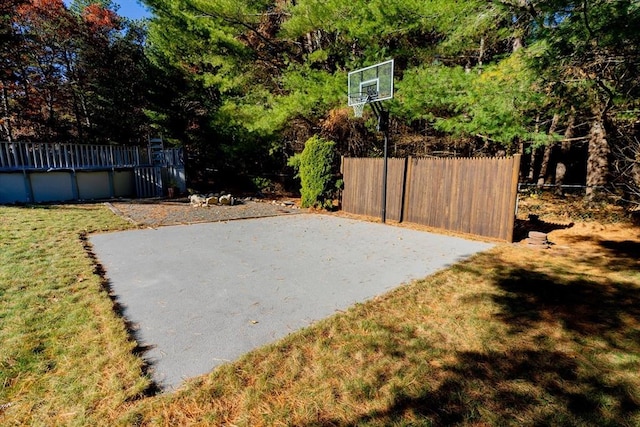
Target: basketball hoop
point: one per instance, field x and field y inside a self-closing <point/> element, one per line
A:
<point x="358" y="109"/>
<point x="371" y="85"/>
<point x="357" y="101"/>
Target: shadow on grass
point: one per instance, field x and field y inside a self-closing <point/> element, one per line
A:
<point x="571" y="359"/>
<point x="58" y="205"/>
<point x="615" y="255"/>
<point x="132" y="329"/>
<point x="513" y="388"/>
<point x="607" y="311"/>
<point x="626" y="254"/>
<point x="534" y="223"/>
<point x="625" y="248"/>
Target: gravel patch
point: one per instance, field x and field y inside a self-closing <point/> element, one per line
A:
<point x="156" y="213"/>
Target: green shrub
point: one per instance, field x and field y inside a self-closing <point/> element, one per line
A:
<point x="261" y="184"/>
<point x="315" y="170"/>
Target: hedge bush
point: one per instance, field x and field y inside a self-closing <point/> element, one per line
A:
<point x="315" y="170"/>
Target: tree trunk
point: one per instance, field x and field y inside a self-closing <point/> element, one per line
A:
<point x="598" y="161"/>
<point x="534" y="155"/>
<point x="544" y="166"/>
<point x="518" y="32"/>
<point x="309" y="42"/>
<point x="481" y="55"/>
<point x="73" y="81"/>
<point x="532" y="164"/>
<point x="546" y="157"/>
<point x="565" y="146"/>
<point x="6" y="122"/>
<point x="517" y="44"/>
<point x="635" y="176"/>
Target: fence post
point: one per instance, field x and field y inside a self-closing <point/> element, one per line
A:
<point x="406" y="189"/>
<point x="384" y="178"/>
<point x="75" y="189"/>
<point x="27" y="184"/>
<point x="15" y="154"/>
<point x="515" y="174"/>
<point x="3" y="163"/>
<point x="112" y="185"/>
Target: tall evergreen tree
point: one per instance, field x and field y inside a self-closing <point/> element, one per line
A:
<point x="499" y="76"/>
<point x="588" y="57"/>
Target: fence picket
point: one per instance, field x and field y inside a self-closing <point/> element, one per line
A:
<point x="41" y="165"/>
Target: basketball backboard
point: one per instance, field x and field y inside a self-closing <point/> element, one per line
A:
<point x="371" y="84"/>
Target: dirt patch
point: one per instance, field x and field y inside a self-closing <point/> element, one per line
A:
<point x="577" y="226"/>
<point x="552" y="208"/>
<point x="157" y="213"/>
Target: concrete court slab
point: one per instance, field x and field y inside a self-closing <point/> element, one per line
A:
<point x="205" y="294"/>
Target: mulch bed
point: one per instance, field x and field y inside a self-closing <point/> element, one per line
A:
<point x="161" y="212"/>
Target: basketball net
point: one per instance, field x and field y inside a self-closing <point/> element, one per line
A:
<point x="358" y="109"/>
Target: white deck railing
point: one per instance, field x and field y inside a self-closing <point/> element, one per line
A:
<point x="48" y="156"/>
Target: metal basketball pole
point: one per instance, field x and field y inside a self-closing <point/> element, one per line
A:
<point x="383" y="126"/>
<point x="384" y="178"/>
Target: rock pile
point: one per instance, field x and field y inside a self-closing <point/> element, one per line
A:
<point x="199" y="200"/>
<point x="285" y="204"/>
<point x="222" y="199"/>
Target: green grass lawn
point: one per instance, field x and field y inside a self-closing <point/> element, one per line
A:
<point x="513" y="336"/>
<point x="65" y="356"/>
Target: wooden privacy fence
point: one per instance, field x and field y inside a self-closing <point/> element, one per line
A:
<point x="475" y="196"/>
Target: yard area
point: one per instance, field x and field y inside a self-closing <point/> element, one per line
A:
<point x="512" y="336"/>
